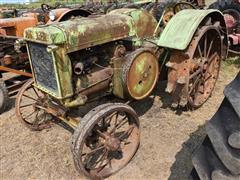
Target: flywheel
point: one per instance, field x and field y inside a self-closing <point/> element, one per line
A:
<point x="140" y="73"/>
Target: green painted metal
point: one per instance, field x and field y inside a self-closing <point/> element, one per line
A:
<point x="46" y="34"/>
<point x="82" y="32"/>
<point x="181" y="28"/>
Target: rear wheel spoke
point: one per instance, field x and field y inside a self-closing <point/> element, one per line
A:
<point x="205" y="46"/>
<point x="200" y="52"/>
<point x="209" y="49"/>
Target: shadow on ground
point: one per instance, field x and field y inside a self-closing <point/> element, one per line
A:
<point x="182" y="166"/>
<point x="11" y="104"/>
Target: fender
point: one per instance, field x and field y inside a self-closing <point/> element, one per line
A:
<point x="181" y="28"/>
<point x="73" y="12"/>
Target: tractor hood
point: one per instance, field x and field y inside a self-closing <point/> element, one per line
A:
<point x="80" y="33"/>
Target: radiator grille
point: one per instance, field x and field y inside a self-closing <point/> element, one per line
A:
<point x="43" y="67"/>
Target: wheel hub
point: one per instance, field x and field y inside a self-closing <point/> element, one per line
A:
<point x="112" y="143"/>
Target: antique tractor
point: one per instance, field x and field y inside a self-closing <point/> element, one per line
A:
<point x="7" y="13"/>
<point x="13" y="52"/>
<point x="122" y="53"/>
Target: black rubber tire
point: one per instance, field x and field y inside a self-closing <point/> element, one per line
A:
<point x="4" y="99"/>
<point x="218" y="157"/>
<point x="223" y="5"/>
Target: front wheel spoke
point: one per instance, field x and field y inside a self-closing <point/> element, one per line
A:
<point x="115" y="119"/>
<point x="127" y="132"/>
<point x="126" y="142"/>
<point x="108" y="119"/>
<point x="29" y="114"/>
<point x="103" y="158"/>
<point x="100" y="159"/>
<point x="102" y="135"/>
<point x="123" y="121"/>
<point x="26" y="105"/>
<point x="35" y="92"/>
<point x="29" y="97"/>
<point x="115" y="124"/>
<point x="93" y="151"/>
<point x="36" y="120"/>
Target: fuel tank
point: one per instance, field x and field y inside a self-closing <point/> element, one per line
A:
<point x="84" y="32"/>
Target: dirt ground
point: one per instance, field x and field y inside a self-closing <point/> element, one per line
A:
<point x="167" y="140"/>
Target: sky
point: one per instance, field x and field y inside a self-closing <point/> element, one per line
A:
<point x="13" y="1"/>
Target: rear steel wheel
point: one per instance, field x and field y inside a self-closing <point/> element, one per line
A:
<point x="28" y="107"/>
<point x="192" y="74"/>
<point x="106" y="140"/>
<point x="206" y="59"/>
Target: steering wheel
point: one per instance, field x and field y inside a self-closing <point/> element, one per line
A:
<point x="182" y="5"/>
<point x="46" y="7"/>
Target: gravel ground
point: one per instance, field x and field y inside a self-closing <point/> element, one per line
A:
<point x="167" y="140"/>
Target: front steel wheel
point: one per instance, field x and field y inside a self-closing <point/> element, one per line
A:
<point x="106" y="140"/>
<point x="28" y="107"/>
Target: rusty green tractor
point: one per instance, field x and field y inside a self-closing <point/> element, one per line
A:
<point x="121" y="54"/>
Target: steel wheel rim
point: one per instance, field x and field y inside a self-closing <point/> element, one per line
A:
<point x="114" y="165"/>
<point x="204" y="79"/>
<point x="31" y="104"/>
